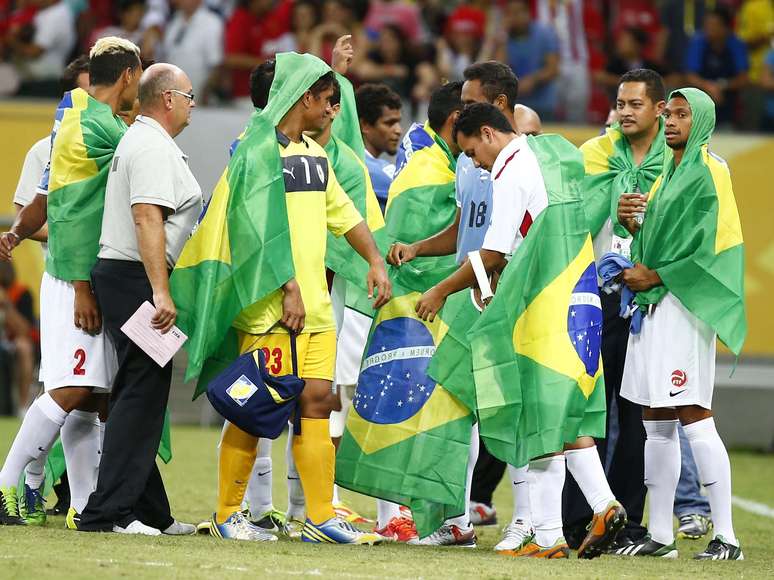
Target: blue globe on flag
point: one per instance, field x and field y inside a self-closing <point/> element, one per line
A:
<point x="584" y="320"/>
<point x="393" y="384"/>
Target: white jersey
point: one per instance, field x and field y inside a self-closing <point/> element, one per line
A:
<point x="518" y="196"/>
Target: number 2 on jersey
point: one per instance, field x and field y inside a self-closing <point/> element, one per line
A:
<point x="276" y="365"/>
<point x="80" y="357"/>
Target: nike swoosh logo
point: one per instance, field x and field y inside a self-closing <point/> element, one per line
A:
<point x="41" y="449"/>
<point x="674" y="394"/>
<point x="518" y="482"/>
<point x="708" y="484"/>
<point x="293" y="478"/>
<point x="264" y="473"/>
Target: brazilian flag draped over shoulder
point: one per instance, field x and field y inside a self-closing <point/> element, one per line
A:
<point x="345" y="152"/>
<point x="535" y="350"/>
<point x="407" y="437"/>
<point x="240" y="251"/>
<point x="695" y="241"/>
<point x="611" y="171"/>
<point x="85" y="137"/>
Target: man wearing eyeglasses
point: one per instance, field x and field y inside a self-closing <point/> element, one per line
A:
<point x="152" y="202"/>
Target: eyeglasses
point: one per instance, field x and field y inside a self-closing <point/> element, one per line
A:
<point x="189" y="96"/>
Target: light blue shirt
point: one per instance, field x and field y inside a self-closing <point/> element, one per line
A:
<point x="474" y="198"/>
<point x="382" y="173"/>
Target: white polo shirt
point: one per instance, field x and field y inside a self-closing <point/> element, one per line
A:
<point x="34" y="165"/>
<point x="518" y="196"/>
<point x="148" y="167"/>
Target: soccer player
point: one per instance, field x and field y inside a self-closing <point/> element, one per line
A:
<point x="77" y="359"/>
<point x="690" y="238"/>
<point x="486" y="82"/>
<point x="378" y="108"/>
<point x="518" y="197"/>
<point x="626" y="157"/>
<point x="315" y="202"/>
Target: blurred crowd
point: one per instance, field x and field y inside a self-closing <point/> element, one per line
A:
<point x="568" y="54"/>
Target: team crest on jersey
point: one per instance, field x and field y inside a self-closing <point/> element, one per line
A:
<point x="393" y="384"/>
<point x="241" y="390"/>
<point x="584" y="320"/>
<point x="679" y="378"/>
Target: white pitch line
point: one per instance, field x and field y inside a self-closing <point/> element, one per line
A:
<point x="754" y="507"/>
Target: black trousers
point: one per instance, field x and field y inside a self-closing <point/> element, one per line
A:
<point x="486" y="476"/>
<point x="129" y="486"/>
<point x="626" y="470"/>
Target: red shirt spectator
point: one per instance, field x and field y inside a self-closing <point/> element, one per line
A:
<point x="398" y="13"/>
<point x="253" y="23"/>
<point x="644" y="15"/>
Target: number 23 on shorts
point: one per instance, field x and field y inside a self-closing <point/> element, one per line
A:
<point x="273" y="358"/>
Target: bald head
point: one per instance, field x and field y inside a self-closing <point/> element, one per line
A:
<point x="156" y="80"/>
<point x="527" y="120"/>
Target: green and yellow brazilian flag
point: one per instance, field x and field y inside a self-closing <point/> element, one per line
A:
<point x="534" y="353"/>
<point x="407" y="437"/>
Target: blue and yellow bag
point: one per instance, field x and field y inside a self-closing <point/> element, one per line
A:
<point x="257" y="402"/>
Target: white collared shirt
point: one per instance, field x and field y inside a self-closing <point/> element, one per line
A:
<point x="518" y="196"/>
<point x="148" y="167"/>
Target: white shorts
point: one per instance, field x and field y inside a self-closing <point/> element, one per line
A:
<point x="70" y="357"/>
<point x="350" y="346"/>
<point x="671" y="363"/>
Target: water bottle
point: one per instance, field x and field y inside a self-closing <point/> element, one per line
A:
<point x="640" y="217"/>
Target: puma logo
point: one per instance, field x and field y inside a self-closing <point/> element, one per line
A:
<point x="290" y="172"/>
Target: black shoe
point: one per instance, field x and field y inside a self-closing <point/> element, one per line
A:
<point x="719" y="549"/>
<point x="62" y="490"/>
<point x="648" y="547"/>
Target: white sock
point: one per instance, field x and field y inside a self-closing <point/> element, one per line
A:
<point x="35" y="472"/>
<point x="336" y="498"/>
<point x="34" y="439"/>
<point x="715" y="471"/>
<point x="520" y="488"/>
<point x="546" y="481"/>
<point x="258" y="492"/>
<point x="296" y="502"/>
<point x="463" y="521"/>
<point x="586" y="468"/>
<point x="662" y="472"/>
<point x="385" y="511"/>
<point x="80" y="442"/>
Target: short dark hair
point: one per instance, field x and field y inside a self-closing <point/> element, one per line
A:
<point x="654" y="84"/>
<point x="72" y="71"/>
<point x="372" y="99"/>
<point x="723" y="13"/>
<point x="496" y="79"/>
<point x="640" y="35"/>
<point x="444" y="101"/>
<point x="475" y="116"/>
<point x="261" y="78"/>
<point x="109" y="58"/>
<point x="125" y="5"/>
<point x="325" y="82"/>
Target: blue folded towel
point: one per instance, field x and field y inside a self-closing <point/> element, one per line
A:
<point x="610" y="267"/>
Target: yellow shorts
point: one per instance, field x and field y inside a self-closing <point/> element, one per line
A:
<point x="316" y="353"/>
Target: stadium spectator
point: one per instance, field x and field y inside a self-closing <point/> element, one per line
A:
<point x="567" y="20"/>
<point x="767" y="84"/>
<point x="42" y="47"/>
<point x="194" y="41"/>
<point x="642" y="15"/>
<point x="532" y="51"/>
<point x="628" y="54"/>
<point x="338" y="18"/>
<point x="250" y="26"/>
<point x="717" y="62"/>
<point x="390" y="61"/>
<point x="400" y="13"/>
<point x="305" y="18"/>
<point x="755" y="26"/>
<point x="466" y="40"/>
<point x="19" y="331"/>
<point x="131" y="15"/>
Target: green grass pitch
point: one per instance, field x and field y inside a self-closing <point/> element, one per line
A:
<point x="54" y="552"/>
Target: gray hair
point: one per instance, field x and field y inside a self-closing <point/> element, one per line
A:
<point x="156" y="79"/>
